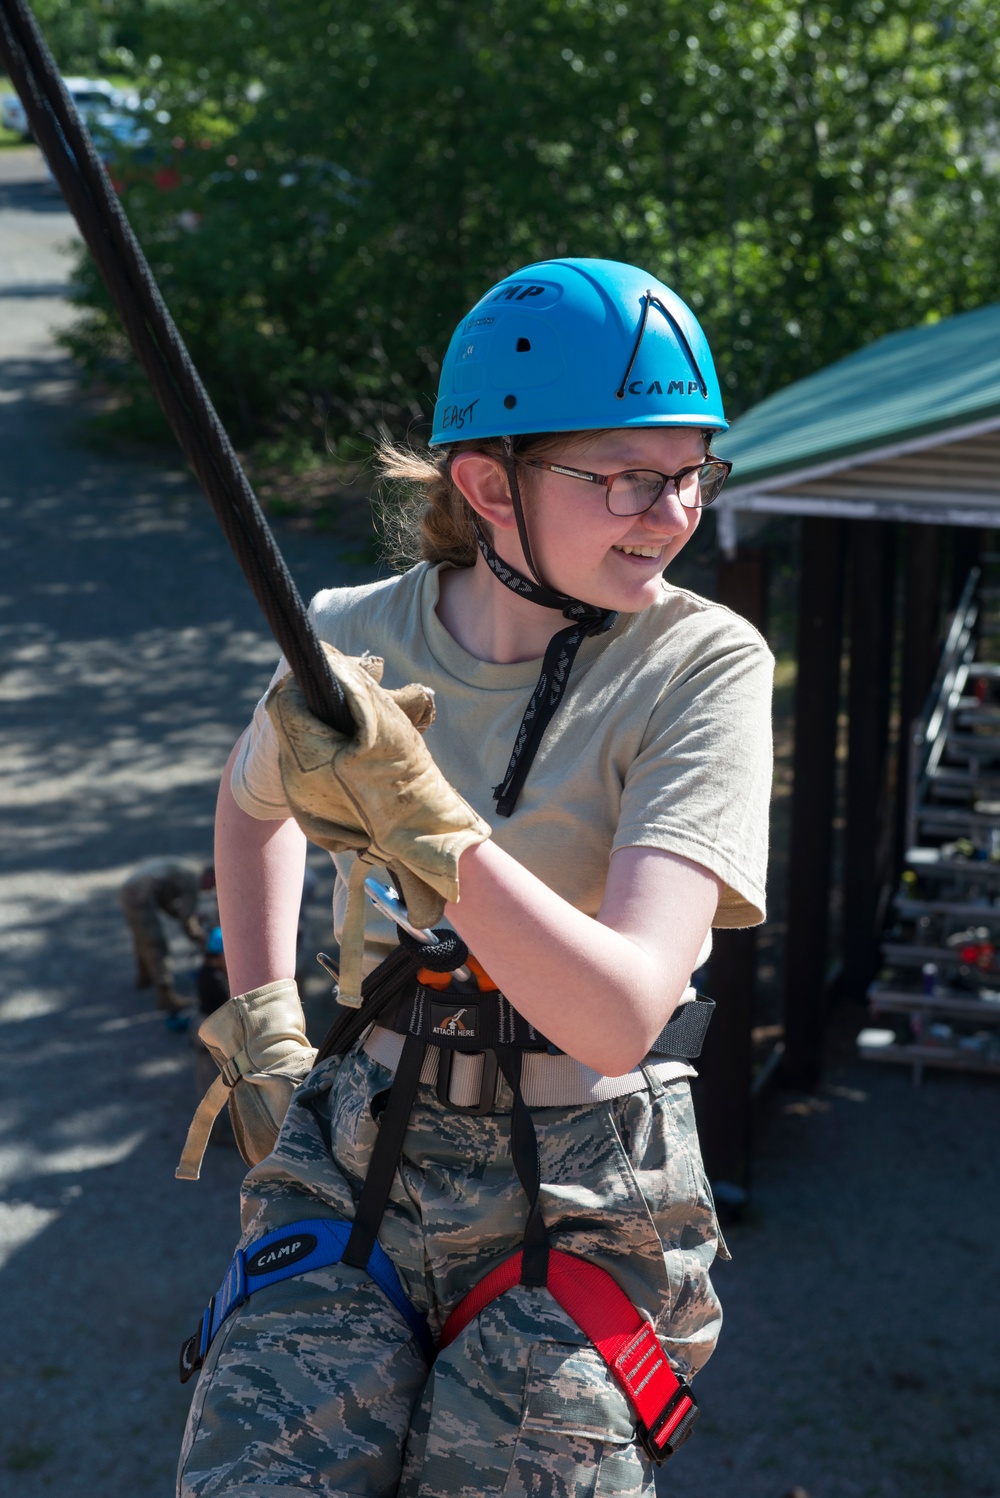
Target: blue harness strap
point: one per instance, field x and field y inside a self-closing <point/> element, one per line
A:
<point x="296" y="1248"/>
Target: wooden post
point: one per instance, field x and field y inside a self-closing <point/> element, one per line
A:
<point x="920" y="649"/>
<point x="722" y="1092"/>
<point x="817" y="693"/>
<point x="921" y="618"/>
<point x="868" y="835"/>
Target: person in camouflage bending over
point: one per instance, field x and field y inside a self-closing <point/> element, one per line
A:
<point x="354" y="1347"/>
<point x="162" y="887"/>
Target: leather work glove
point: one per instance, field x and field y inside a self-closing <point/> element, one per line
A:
<point x="258" y="1041"/>
<point x="378" y="794"/>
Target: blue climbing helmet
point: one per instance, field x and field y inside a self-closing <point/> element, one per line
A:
<point x="576" y="345"/>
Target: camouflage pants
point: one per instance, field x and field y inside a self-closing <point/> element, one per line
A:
<point x="315" y="1386"/>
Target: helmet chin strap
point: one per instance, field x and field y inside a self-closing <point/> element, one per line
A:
<point x="586" y="619"/>
<point x="510" y="466"/>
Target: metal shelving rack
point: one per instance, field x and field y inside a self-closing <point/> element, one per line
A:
<point x="937" y="1000"/>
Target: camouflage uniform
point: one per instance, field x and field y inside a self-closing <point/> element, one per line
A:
<point x="315" y="1386"/>
<point x="160" y="886"/>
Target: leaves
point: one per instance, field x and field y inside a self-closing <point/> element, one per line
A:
<point x="807" y="176"/>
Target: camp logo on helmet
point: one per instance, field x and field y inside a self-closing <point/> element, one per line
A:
<point x="456" y="1023"/>
<point x="517" y="291"/>
<point x="639" y="387"/>
<point x="284" y="1251"/>
<point x="455" y="417"/>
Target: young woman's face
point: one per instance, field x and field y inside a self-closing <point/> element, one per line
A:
<point x="580" y="548"/>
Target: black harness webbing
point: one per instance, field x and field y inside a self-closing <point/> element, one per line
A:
<point x="386" y="1155"/>
<point x="160" y="350"/>
<point x="392" y="997"/>
<point x="524" y="1153"/>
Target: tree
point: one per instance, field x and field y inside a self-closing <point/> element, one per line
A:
<point x="808" y="176"/>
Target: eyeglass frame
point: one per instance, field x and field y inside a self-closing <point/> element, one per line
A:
<point x="607" y="479"/>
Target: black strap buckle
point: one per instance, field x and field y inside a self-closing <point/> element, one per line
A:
<point x="191" y="1359"/>
<point x="647" y="1437"/>
<point x="486" y="1102"/>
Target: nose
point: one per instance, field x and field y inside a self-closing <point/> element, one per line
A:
<point x="668" y="516"/>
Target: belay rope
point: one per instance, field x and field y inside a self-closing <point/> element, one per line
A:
<point x="185" y="403"/>
<point x="158" y="346"/>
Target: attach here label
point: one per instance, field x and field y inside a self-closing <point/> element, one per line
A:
<point x="455" y="1021"/>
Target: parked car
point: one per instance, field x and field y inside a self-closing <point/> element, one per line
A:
<point x="91" y="96"/>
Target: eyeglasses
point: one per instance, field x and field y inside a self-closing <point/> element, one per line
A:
<point x="633" y="491"/>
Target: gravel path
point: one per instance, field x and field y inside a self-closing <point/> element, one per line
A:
<point x="132" y="654"/>
<point x="860" y="1354"/>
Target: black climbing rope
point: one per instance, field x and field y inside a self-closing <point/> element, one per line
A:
<point x="160" y="350"/>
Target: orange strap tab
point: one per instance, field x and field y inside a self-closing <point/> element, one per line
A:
<point x="440" y="981"/>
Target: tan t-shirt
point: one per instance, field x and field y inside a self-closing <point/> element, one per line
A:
<point x="663" y="740"/>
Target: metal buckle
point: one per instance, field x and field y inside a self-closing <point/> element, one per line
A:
<point x="487" y="1088"/>
<point x="230" y="1072"/>
<point x="646" y="1437"/>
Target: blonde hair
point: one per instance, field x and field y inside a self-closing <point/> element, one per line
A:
<point x="422" y="513"/>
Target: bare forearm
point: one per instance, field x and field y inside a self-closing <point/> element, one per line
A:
<point x="601" y="994"/>
<point x="259" y="868"/>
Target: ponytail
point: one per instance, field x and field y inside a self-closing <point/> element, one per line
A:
<point x="423" y="515"/>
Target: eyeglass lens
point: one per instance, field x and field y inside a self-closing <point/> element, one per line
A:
<point x="634" y="493"/>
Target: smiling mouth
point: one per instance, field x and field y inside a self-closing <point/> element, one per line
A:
<point x="640" y="551"/>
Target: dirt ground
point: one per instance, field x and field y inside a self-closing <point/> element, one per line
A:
<point x="861" y="1353"/>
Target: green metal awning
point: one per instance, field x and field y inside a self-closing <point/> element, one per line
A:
<point x="908" y="428"/>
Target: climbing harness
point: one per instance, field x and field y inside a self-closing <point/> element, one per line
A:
<point x="413" y="994"/>
<point x="296" y="1248"/>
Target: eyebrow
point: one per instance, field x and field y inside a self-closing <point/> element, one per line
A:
<point x="621" y="463"/>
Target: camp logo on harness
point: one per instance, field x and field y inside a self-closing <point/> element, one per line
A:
<point x="283" y="1251"/>
<point x="455" y="1024"/>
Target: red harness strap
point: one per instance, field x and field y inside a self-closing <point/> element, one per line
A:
<point x="625" y="1340"/>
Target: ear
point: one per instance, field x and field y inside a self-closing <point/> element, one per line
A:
<point x="481" y="478"/>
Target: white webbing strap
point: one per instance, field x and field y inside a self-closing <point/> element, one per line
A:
<point x="546" y="1081"/>
<point x="352" y="938"/>
<point x="196" y="1142"/>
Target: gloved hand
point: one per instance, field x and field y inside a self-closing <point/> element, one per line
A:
<point x="258" y="1041"/>
<point x="379" y="793"/>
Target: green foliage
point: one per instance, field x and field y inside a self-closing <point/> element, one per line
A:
<point x="808" y="176"/>
<point x="92" y="36"/>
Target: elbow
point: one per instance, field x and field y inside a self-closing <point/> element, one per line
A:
<point x="622" y="1053"/>
<point x="627" y="1044"/>
<point x="619" y="1061"/>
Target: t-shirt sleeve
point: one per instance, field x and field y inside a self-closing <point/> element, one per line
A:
<point x="256" y="776"/>
<point x="700" y="785"/>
